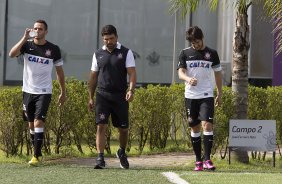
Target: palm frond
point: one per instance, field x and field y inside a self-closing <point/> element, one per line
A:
<point x="184" y="6"/>
<point x="273" y="9"/>
<point x="213" y="4"/>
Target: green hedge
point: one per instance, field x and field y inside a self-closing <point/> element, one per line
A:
<point x="157" y="115"/>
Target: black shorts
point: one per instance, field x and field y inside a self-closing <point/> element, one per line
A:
<point x="112" y="104"/>
<point x="199" y="110"/>
<point x="35" y="106"/>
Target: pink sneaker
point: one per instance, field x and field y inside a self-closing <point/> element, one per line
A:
<point x="209" y="165"/>
<point x="198" y="166"/>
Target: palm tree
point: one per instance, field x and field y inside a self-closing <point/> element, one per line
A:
<point x="273" y="9"/>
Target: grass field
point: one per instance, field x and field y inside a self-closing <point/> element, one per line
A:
<point x="19" y="173"/>
<point x="231" y="177"/>
<point x="15" y="170"/>
<point x="15" y="173"/>
<point x="68" y="174"/>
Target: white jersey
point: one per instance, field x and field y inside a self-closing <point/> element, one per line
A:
<point x="199" y="64"/>
<point x="38" y="66"/>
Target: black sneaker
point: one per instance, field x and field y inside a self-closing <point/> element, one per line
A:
<point x="100" y="163"/>
<point x="123" y="159"/>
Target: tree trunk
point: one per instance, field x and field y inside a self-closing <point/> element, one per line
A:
<point x="240" y="73"/>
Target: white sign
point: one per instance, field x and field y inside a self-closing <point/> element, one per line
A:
<point x="253" y="135"/>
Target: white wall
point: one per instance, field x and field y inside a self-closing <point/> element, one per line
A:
<point x="147" y="28"/>
<point x="226" y="24"/>
<point x="72" y="28"/>
<point x="144" y="26"/>
<point x="261" y="42"/>
<point x="2" y="31"/>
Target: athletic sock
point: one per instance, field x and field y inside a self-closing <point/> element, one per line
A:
<point x="32" y="137"/>
<point x="38" y="141"/>
<point x="101" y="155"/>
<point x="121" y="150"/>
<point x="208" y="141"/>
<point x="196" y="143"/>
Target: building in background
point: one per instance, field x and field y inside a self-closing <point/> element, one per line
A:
<point x="154" y="35"/>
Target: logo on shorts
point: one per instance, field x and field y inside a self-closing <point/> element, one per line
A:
<point x="188" y="111"/>
<point x="102" y="116"/>
<point x="190" y="119"/>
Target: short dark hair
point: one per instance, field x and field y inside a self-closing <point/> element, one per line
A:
<point x="42" y="22"/>
<point x="108" y="30"/>
<point x="194" y="33"/>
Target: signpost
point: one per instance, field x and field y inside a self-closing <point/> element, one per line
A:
<point x="252" y="135"/>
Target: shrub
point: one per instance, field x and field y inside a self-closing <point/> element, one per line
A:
<point x="156" y="114"/>
<point x="12" y="127"/>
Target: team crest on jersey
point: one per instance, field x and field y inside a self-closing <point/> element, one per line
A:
<point x="48" y="53"/>
<point x="119" y="56"/>
<point x="207" y="55"/>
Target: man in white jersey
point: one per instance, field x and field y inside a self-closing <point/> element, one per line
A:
<point x="39" y="58"/>
<point x="195" y="67"/>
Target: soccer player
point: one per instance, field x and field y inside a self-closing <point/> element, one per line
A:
<point x="195" y="67"/>
<point x="111" y="65"/>
<point x="39" y="57"/>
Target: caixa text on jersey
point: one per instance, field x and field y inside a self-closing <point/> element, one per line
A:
<point x="38" y="60"/>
